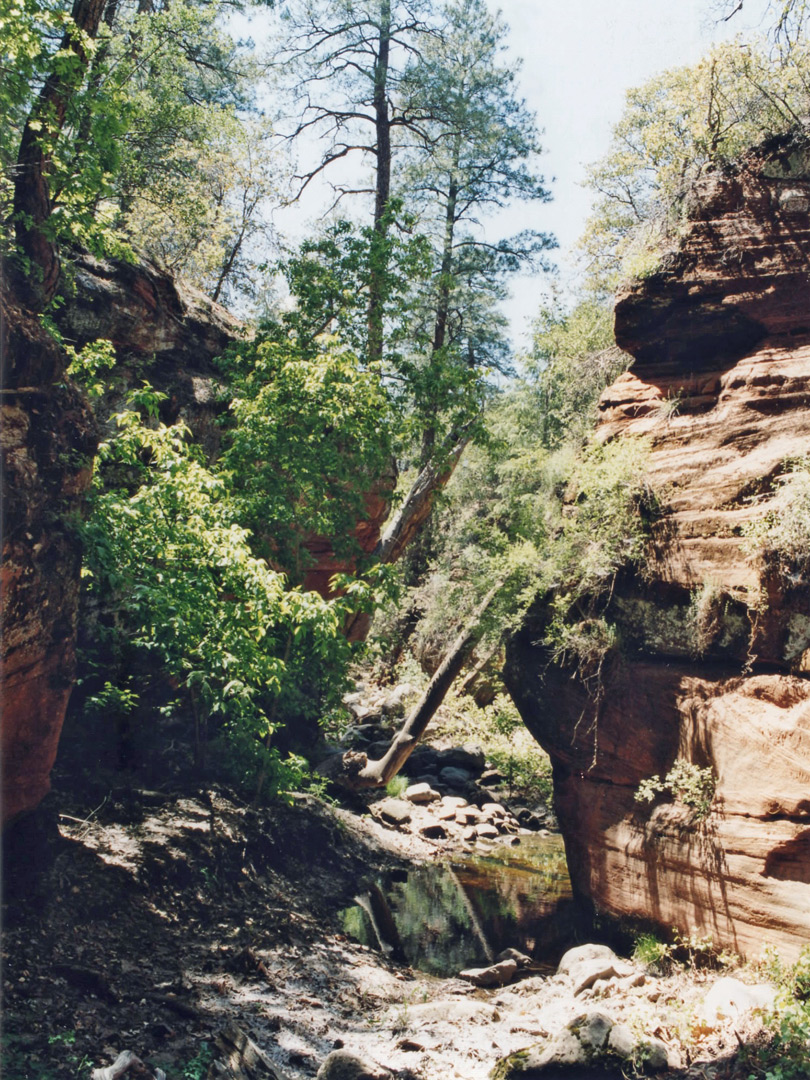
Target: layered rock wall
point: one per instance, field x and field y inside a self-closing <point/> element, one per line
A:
<point x="713" y="665"/>
<point x="48" y="438"/>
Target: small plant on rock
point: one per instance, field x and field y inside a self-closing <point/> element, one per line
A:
<point x="397" y="786"/>
<point x="687" y="783"/>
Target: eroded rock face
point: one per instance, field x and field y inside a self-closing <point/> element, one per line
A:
<point x="48" y="439"/>
<point x="714" y="662"/>
<point x="170" y="333"/>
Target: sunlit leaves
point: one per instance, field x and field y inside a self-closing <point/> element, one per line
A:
<point x="673" y="127"/>
<point x="310" y="439"/>
<point x="168" y="563"/>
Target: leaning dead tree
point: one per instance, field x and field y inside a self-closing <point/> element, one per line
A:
<point x="353" y="769"/>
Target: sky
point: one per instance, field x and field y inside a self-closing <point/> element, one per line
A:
<point x="579" y="57"/>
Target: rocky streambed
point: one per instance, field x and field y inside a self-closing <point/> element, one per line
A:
<point x="205" y="938"/>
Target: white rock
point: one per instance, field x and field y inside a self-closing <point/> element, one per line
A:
<point x="582" y="953"/>
<point x="729" y="999"/>
<point x="588" y="964"/>
<point x="621" y="1040"/>
<point x="421" y="793"/>
<point x="454" y="801"/>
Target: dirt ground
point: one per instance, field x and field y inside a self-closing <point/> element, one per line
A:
<point x="164" y="918"/>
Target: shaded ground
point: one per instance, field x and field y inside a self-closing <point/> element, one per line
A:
<point x="164" y="917"/>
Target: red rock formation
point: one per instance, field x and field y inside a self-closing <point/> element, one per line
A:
<point x="48" y="439"/>
<point x="170" y="333"/>
<point x="715" y="646"/>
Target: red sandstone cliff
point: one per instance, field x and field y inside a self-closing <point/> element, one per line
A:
<point x="163" y="331"/>
<point x="48" y="438"/>
<point x="720" y="387"/>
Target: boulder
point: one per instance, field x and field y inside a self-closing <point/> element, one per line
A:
<point x="730" y="999"/>
<point x="653" y="1053"/>
<point x="455" y="778"/>
<point x="588" y="964"/>
<point x="469" y="757"/>
<point x="621" y="1041"/>
<point x="593" y="1029"/>
<point x="485" y="831"/>
<point x="521" y="959"/>
<point x="495" y="975"/>
<point x="395" y="702"/>
<point x="344" y="1065"/>
<point x="393" y="811"/>
<point x="421" y="793"/>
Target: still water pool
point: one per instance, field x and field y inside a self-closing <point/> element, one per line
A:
<point x="444" y="917"/>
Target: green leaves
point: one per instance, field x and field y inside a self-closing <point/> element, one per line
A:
<point x="175" y="576"/>
<point x="676" y="126"/>
<point x="309" y="439"/>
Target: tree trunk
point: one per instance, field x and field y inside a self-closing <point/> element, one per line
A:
<point x="443" y="301"/>
<point x="356" y="771"/>
<point x="406" y="522"/>
<point x="382" y="124"/>
<point x="32" y="197"/>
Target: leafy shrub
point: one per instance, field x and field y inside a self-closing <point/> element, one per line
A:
<point x="687" y="783"/>
<point x="787" y="1054"/>
<point x="197" y="1067"/>
<point x="527" y="773"/>
<point x="651" y="951"/>
<point x="783" y="535"/>
<point x="498" y="729"/>
<point x="181" y="595"/>
<point x="307" y="438"/>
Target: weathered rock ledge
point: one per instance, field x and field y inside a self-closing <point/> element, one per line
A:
<point x="714" y="661"/>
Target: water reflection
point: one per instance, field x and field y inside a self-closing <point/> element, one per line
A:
<point x="444" y="917"/>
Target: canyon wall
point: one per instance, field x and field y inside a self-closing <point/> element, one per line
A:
<point x="713" y="661"/>
<point x="164" y="332"/>
<point x="48" y="438"/>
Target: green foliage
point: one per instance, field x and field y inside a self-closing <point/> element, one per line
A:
<point x="787" y="1054"/>
<point x="309" y="438"/>
<point x="571" y="361"/>
<point x="396" y="786"/>
<point x="498" y="730"/>
<point x="181" y="593"/>
<point x="782" y="536"/>
<point x="155" y="151"/>
<point x="527" y="773"/>
<point x="685" y="782"/>
<point x="88" y="365"/>
<point x="651" y="951"/>
<point x="673" y="129"/>
<point x="197" y="1067"/>
<point x="604" y="532"/>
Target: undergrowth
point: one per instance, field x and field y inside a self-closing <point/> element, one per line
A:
<point x="787" y="1054"/>
<point x="499" y="731"/>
